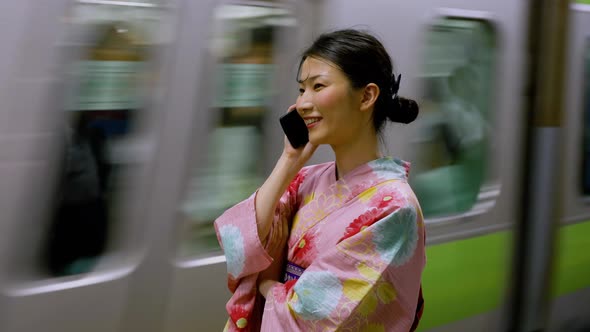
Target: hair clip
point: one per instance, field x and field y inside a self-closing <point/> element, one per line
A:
<point x="395" y="85"/>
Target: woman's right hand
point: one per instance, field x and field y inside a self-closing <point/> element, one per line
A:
<point x="297" y="157"/>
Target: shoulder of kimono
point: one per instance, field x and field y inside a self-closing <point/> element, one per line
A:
<point x="311" y="173"/>
<point x="316" y="169"/>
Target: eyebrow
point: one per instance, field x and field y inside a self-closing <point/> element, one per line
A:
<point x="310" y="78"/>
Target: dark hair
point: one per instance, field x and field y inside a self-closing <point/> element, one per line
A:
<point x="364" y="60"/>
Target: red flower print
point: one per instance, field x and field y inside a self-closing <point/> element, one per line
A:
<point x="289" y="284"/>
<point x="280" y="293"/>
<point x="239" y="316"/>
<point x="386" y="198"/>
<point x="305" y="250"/>
<point x="407" y="166"/>
<point x="365" y="220"/>
<point x="294" y="185"/>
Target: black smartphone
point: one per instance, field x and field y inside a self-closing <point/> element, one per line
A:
<point x="295" y="129"/>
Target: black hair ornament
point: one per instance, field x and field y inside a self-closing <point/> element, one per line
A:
<point x="403" y="110"/>
<point x="395" y="86"/>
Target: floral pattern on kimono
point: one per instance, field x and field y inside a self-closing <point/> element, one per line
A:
<point x="360" y="240"/>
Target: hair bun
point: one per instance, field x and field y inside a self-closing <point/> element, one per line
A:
<point x="403" y="110"/>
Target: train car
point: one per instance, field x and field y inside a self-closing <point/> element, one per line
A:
<point x="127" y="127"/>
<point x="571" y="268"/>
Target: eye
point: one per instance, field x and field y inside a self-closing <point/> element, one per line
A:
<point x="318" y="86"/>
<point x="301" y="91"/>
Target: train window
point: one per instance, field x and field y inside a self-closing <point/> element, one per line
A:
<point x="107" y="78"/>
<point x="585" y="183"/>
<point x="243" y="44"/>
<point x="455" y="116"/>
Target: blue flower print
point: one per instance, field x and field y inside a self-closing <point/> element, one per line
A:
<point x="318" y="294"/>
<point x="233" y="247"/>
<point x="389" y="168"/>
<point x="396" y="236"/>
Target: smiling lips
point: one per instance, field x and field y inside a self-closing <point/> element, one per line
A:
<point x="311" y="122"/>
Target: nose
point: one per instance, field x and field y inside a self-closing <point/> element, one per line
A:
<point x="304" y="106"/>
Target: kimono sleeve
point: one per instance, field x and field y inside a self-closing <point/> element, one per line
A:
<point x="246" y="255"/>
<point x="237" y="232"/>
<point x="238" y="236"/>
<point x="370" y="279"/>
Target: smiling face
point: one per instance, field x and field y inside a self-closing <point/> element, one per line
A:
<point x="329" y="105"/>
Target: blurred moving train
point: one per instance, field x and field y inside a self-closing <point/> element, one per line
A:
<point x="126" y="127"/>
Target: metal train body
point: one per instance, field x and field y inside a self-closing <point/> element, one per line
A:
<point x="158" y="271"/>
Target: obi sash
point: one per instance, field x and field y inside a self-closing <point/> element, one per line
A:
<point x="293" y="272"/>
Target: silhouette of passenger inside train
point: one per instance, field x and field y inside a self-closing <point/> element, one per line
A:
<point x="78" y="233"/>
<point x="103" y="111"/>
<point x="456" y="125"/>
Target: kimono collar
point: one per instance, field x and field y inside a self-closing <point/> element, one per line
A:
<point x="386" y="168"/>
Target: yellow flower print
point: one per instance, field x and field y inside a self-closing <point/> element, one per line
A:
<point x="385" y="292"/>
<point x="366" y="195"/>
<point x="308" y="198"/>
<point x="370" y="291"/>
<point x="368" y="272"/>
<point x="295" y="221"/>
<point x="341" y="191"/>
<point x="355" y="289"/>
<point x="314" y="215"/>
<point x="318" y="207"/>
<point x="368" y="304"/>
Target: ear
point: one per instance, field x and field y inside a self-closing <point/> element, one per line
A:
<point x="369" y="97"/>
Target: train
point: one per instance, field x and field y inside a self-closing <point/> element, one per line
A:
<point x="127" y="127"/>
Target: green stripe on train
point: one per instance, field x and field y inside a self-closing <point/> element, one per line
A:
<point x="467" y="277"/>
<point x="464" y="278"/>
<point x="583" y="1"/>
<point x="572" y="268"/>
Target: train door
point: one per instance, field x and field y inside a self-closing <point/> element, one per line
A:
<point x="234" y="62"/>
<point x="571" y="273"/>
<point x="79" y="83"/>
<point x="463" y="61"/>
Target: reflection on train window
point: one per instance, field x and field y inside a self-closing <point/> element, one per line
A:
<point x="454" y="135"/>
<point x="586" y="133"/>
<point x="105" y="90"/>
<point x="243" y="46"/>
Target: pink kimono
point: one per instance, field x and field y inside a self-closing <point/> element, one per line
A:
<point x="355" y="254"/>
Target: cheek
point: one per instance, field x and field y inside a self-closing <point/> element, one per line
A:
<point x="326" y="100"/>
<point x="330" y="101"/>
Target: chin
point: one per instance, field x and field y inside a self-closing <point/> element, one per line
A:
<point x="317" y="140"/>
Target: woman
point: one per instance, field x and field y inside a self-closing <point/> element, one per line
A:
<point x="349" y="232"/>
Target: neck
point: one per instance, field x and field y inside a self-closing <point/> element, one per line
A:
<point x="350" y="156"/>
